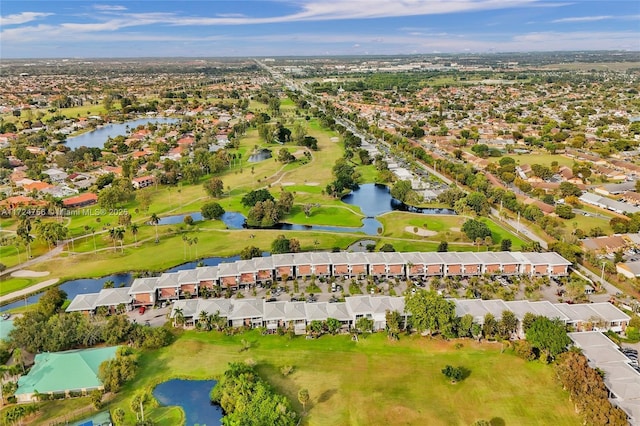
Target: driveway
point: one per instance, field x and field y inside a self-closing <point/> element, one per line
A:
<point x="156" y="316"/>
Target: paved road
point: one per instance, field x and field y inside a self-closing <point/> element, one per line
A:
<point x="610" y="288"/>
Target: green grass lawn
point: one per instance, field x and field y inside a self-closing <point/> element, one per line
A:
<point x="499" y="233"/>
<point x="18" y="283"/>
<point x="446" y="227"/>
<point x="542" y="159"/>
<point x="373" y="381"/>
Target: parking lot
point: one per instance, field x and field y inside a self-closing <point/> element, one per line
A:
<point x="155" y="317"/>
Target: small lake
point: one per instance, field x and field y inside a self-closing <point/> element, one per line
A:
<point x="233" y="220"/>
<point x="263" y="154"/>
<point x="96" y="138"/>
<point x="374" y="200"/>
<point x="369" y="226"/>
<point x="76" y="287"/>
<point x="193" y="397"/>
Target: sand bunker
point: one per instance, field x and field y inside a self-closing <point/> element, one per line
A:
<point x="25" y="273"/>
<point x="312" y="183"/>
<point x="420" y="231"/>
<point x="288" y="183"/>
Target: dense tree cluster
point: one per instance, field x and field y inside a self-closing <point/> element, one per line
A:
<point x="622" y="225"/>
<point x="548" y="336"/>
<point x="115" y="372"/>
<point x="346" y="178"/>
<point x="251" y="198"/>
<point x="431" y="312"/>
<point x="248" y="400"/>
<point x="283" y="244"/>
<point x="250" y="252"/>
<point x="45" y="328"/>
<point x="588" y="391"/>
<point x="475" y="229"/>
<point x="212" y="210"/>
<point x="267" y="213"/>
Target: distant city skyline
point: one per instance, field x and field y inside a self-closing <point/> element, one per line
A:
<point x="82" y="29"/>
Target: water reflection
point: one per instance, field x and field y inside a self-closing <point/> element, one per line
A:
<point x="96" y="138"/>
<point x="193" y="397"/>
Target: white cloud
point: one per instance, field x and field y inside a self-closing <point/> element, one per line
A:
<point x="22" y="18"/>
<point x="231" y="15"/>
<point x="582" y="19"/>
<point x="596" y="18"/>
<point x="325" y="10"/>
<point x="109" y="7"/>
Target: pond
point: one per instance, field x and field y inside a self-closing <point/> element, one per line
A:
<point x="374" y="200"/>
<point x="233" y="220"/>
<point x="193" y="397"/>
<point x="369" y="226"/>
<point x="76" y="287"/>
<point x="96" y="138"/>
<point x="263" y="154"/>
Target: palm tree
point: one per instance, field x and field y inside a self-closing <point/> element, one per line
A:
<point x="3" y="371"/>
<point x="155" y="220"/>
<point x="113" y="236"/>
<point x="178" y="317"/>
<point x="134" y="230"/>
<point x="409" y="268"/>
<point x="204" y="321"/>
<point x="195" y="242"/>
<point x="17" y="358"/>
<point x="303" y="398"/>
<point x="93" y="234"/>
<point x="184" y="246"/>
<point x="120" y="234"/>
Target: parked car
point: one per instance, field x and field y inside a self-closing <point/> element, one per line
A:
<point x="142" y="310"/>
<point x="6" y="316"/>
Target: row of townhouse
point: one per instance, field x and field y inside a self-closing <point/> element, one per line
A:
<point x="581" y="317"/>
<point x="272" y="315"/>
<point x="176" y="285"/>
<point x="189" y="283"/>
<point x="298" y="315"/>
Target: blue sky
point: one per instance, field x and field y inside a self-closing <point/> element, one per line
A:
<point x="67" y="29"/>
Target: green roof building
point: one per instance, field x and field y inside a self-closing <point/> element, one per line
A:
<point x="61" y="372"/>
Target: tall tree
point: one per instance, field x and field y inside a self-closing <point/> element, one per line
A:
<point x="214" y="187"/>
<point x="431" y="312"/>
<point x="548" y="336"/>
<point x="155" y="220"/>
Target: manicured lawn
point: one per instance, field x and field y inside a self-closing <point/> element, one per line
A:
<point x="499" y="234"/>
<point x="170" y="251"/>
<point x="447" y="227"/>
<point x="12" y="284"/>
<point x="587" y="224"/>
<point x="373" y="381"/>
<point x="542" y="159"/>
